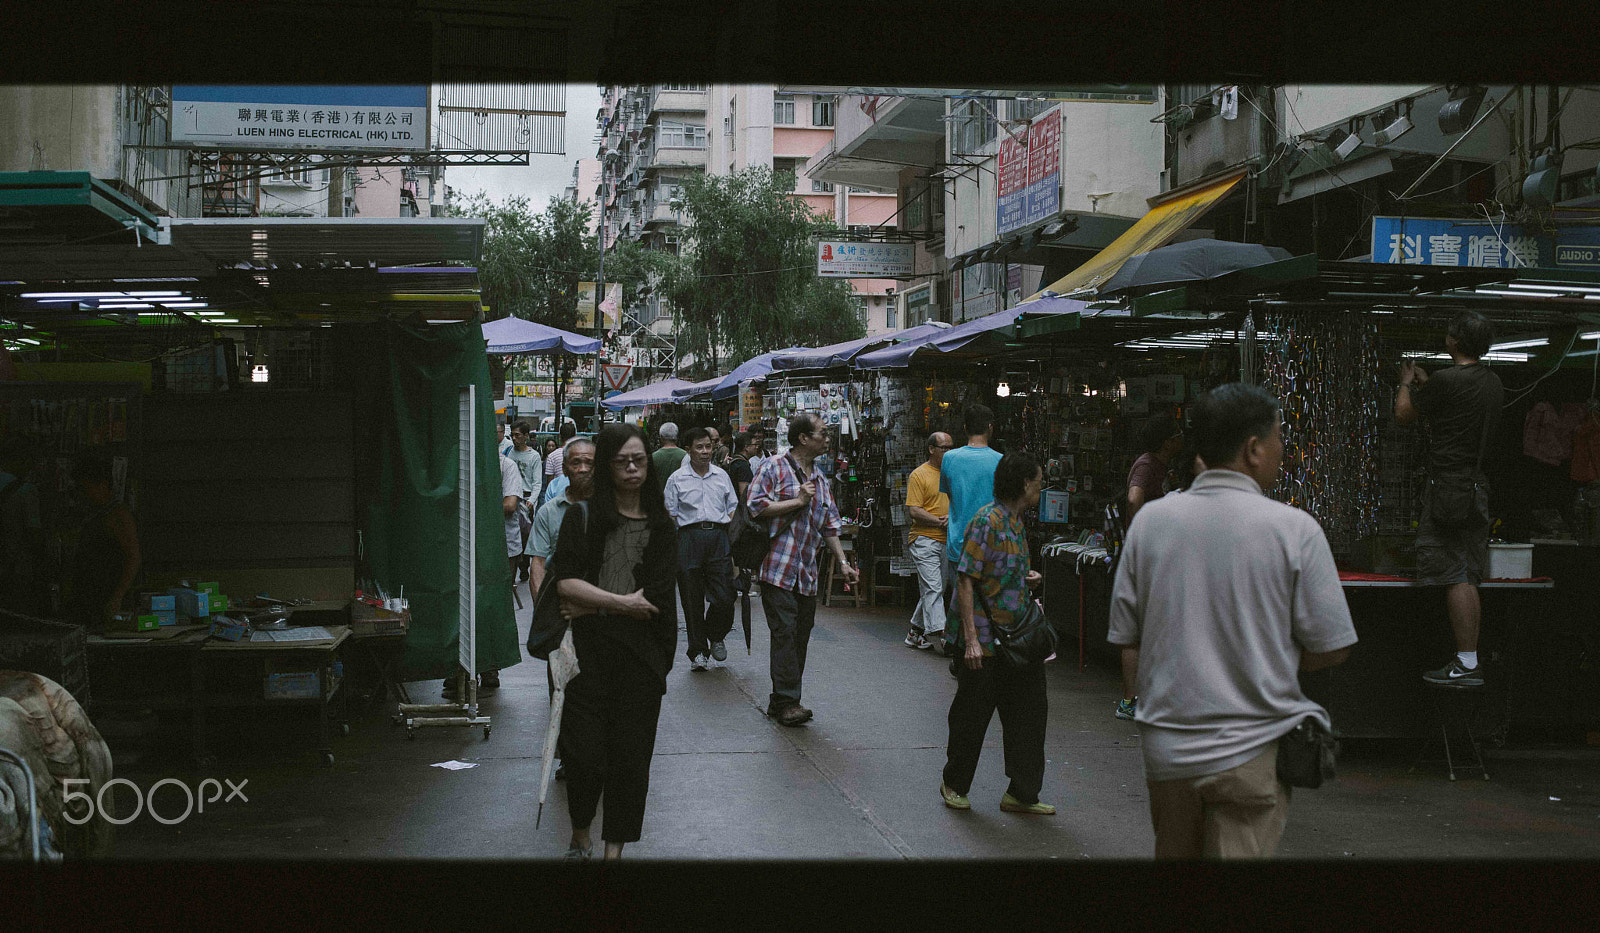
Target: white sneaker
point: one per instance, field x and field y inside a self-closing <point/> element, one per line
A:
<point x="699" y="663"/>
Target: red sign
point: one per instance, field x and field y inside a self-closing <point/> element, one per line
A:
<point x="1044" y="147"/>
<point x="616" y="374"/>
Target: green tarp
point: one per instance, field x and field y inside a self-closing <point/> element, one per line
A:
<point x="407" y="378"/>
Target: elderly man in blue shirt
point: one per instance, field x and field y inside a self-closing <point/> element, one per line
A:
<point x="702" y="500"/>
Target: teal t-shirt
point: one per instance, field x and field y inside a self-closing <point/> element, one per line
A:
<point x="967" y="477"/>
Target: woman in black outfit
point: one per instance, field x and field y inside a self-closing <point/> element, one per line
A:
<point x="617" y="578"/>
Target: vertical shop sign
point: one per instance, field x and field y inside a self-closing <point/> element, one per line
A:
<point x="1044" y="167"/>
<point x="1013" y="183"/>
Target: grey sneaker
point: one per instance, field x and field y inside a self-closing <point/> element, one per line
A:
<point x="719" y="651"/>
<point x="1456" y="674"/>
<point x="699" y="662"/>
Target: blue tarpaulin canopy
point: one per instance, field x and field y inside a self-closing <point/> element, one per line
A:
<point x="957" y="337"/>
<point x="656" y="393"/>
<point x="757" y="367"/>
<point x="512" y="335"/>
<point x="695" y="390"/>
<point x="839" y="354"/>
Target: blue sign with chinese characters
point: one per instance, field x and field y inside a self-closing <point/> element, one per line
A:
<point x="1433" y="241"/>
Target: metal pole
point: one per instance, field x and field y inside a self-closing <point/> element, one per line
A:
<point x="600" y="295"/>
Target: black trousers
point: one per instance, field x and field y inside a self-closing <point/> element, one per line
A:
<point x="1019" y="694"/>
<point x="790" y="618"/>
<point x="705" y="570"/>
<point x="607" y="741"/>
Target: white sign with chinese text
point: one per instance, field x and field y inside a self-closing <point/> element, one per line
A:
<point x="301" y="116"/>
<point x="843" y="260"/>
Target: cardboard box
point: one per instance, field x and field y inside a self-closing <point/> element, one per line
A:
<point x="150" y="602"/>
<point x="146" y="623"/>
<point x="293" y="685"/>
<point x="219" y="603"/>
<point x="192" y="603"/>
<point x="211" y="588"/>
<point x="164" y="618"/>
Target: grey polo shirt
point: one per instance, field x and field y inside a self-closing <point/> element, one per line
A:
<point x="1222" y="589"/>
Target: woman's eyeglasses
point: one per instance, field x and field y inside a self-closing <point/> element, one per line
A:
<point x="638" y="461"/>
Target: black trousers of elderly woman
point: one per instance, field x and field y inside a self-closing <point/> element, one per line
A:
<point x="1018" y="693"/>
<point x="608" y="736"/>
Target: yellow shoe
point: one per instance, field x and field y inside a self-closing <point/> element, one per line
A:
<point x="952" y="799"/>
<point x="1011" y="804"/>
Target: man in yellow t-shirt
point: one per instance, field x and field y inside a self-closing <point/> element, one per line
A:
<point x="930" y="513"/>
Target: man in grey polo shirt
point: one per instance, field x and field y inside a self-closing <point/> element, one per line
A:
<point x="1222" y="597"/>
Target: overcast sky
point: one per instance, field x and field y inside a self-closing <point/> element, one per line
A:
<point x="544" y="176"/>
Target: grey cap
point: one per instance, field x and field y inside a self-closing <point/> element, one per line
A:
<point x="669" y="431"/>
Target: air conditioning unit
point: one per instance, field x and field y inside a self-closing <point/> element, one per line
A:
<point x="1212" y="144"/>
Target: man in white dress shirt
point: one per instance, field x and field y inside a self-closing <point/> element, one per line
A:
<point x="701" y="499"/>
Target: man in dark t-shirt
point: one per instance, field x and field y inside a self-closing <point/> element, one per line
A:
<point x="1462" y="407"/>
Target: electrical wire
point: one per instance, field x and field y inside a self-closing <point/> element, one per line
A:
<point x="1523" y="392"/>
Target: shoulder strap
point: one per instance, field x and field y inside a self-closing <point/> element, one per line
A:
<point x="1483" y="443"/>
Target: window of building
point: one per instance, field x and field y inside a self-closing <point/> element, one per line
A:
<point x="891" y="316"/>
<point x="783" y="110"/>
<point x="677" y="135"/>
<point x="822" y="113"/>
<point x="1028" y="109"/>
<point x="683" y="87"/>
<point x="861" y="308"/>
<point x="825" y="187"/>
<point x="733" y="124"/>
<point x="793" y="166"/>
<point x="975" y="126"/>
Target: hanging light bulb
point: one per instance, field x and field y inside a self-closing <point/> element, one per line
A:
<point x="258" y="373"/>
<point x="1003" y="389"/>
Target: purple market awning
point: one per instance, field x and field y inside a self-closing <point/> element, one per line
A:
<point x="757" y="367"/>
<point x="695" y="390"/>
<point x="656" y="393"/>
<point x="512" y="335"/>
<point x="839" y="354"/>
<point x="959" y="336"/>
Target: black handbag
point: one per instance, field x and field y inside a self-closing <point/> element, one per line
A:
<point x="548" y="627"/>
<point x="1307" y="754"/>
<point x="1027" y="641"/>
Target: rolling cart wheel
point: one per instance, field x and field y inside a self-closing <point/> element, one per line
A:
<point x="411" y="733"/>
<point x="486" y="733"/>
<point x="327" y="759"/>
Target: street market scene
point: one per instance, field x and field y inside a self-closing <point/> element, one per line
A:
<point x="736" y="471"/>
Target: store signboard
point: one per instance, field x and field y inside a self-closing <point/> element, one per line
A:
<point x="750" y="407"/>
<point x="296" y="116"/>
<point x="584" y="324"/>
<point x="919" y="306"/>
<point x="1029" y="174"/>
<point x="1433" y="241"/>
<point x="838" y="259"/>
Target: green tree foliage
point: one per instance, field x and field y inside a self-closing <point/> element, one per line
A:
<point x="747" y="283"/>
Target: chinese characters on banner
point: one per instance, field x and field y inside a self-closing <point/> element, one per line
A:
<point x="1030" y="174"/>
<point x="1429" y="241"/>
<point x="309" y="116"/>
<point x="844" y="260"/>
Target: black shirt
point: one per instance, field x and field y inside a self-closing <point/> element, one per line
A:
<point x="739" y="471"/>
<point x="1461" y="404"/>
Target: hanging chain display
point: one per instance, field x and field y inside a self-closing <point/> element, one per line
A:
<point x="1326" y="370"/>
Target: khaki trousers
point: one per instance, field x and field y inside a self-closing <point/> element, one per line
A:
<point x="1238" y="813"/>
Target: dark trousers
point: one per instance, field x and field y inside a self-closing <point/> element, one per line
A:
<point x="705" y="569"/>
<point x="606" y="746"/>
<point x="790" y="617"/>
<point x="1019" y="694"/>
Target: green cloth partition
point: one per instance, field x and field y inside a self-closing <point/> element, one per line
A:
<point x="407" y="377"/>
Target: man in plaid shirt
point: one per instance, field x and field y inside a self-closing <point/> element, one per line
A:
<point x="797" y="500"/>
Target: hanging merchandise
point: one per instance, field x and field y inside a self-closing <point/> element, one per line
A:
<point x="1325" y="369"/>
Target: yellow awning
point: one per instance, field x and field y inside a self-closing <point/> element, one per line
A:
<point x="1154" y="229"/>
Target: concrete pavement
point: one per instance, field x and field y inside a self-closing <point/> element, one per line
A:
<point x="859" y="782"/>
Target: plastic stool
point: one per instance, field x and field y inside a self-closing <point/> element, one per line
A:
<point x="1454" y="709"/>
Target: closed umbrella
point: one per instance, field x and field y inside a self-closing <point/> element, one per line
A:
<point x="1189" y="261"/>
<point x="746" y="583"/>
<point x="563" y="667"/>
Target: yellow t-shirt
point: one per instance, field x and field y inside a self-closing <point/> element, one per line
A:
<point x="923" y="492"/>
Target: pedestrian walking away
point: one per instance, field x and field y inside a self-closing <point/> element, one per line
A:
<point x="966" y="475"/>
<point x="1461" y="406"/>
<point x="930" y="514"/>
<point x="1221" y="599"/>
<point x="528" y="461"/>
<point x="1161" y="441"/>
<point x="993" y="589"/>
<point x="791" y="491"/>
<point x="613" y="570"/>
<point x="701" y="499"/>
<point x="670" y="456"/>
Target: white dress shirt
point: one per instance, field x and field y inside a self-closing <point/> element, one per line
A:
<point x="694" y="498"/>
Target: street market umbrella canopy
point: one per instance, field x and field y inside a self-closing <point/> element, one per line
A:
<point x="696" y="390"/>
<point x="960" y="336"/>
<point x="656" y="393"/>
<point x="513" y="335"/>
<point x="1189" y="261"/>
<point x="839" y="354"/>
<point x="757" y="367"/>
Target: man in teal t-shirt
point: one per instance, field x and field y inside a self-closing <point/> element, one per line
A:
<point x="967" y="476"/>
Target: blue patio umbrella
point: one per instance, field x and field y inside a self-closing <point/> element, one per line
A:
<point x="656" y="393"/>
<point x="513" y="335"/>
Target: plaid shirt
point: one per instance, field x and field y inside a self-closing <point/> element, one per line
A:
<point x="791" y="562"/>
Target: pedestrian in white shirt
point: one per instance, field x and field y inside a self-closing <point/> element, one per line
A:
<point x="701" y="499"/>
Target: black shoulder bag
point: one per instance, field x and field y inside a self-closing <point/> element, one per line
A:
<point x="750" y="538"/>
<point x="548" y="627"/>
<point x="1307" y="754"/>
<point x="1461" y="503"/>
<point x="1027" y="641"/>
